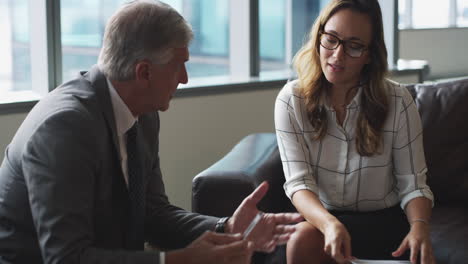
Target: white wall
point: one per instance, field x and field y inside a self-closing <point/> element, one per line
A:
<point x="9" y="125"/>
<point x="198" y="131"/>
<point x="444" y="49"/>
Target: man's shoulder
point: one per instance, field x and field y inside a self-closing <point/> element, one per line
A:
<point x="83" y="94"/>
<point x="73" y="105"/>
<point x="69" y="97"/>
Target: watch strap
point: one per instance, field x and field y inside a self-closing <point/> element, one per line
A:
<point x="221" y="225"/>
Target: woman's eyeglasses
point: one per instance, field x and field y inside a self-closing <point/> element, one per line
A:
<point x="352" y="48"/>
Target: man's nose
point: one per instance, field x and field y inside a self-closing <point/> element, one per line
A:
<point x="184" y="76"/>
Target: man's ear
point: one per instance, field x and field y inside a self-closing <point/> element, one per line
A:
<point x="142" y="71"/>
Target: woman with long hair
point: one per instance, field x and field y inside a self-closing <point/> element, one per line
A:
<point x="351" y="145"/>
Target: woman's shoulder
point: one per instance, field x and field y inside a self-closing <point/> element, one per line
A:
<point x="290" y="89"/>
<point x="397" y="90"/>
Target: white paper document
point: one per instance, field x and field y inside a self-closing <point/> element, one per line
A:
<point x="371" y="261"/>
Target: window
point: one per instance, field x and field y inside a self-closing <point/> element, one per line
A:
<point x="283" y="27"/>
<point x="82" y="32"/>
<point x="462" y="13"/>
<point x="272" y="30"/>
<point x="418" y="14"/>
<point x="15" y="69"/>
<point x="21" y="51"/>
<point x="209" y="51"/>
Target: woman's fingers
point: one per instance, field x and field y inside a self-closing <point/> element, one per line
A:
<point x="426" y="254"/>
<point x="336" y="251"/>
<point x="401" y="249"/>
<point x="414" y="253"/>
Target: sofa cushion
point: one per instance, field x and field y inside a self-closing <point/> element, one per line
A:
<point x="449" y="234"/>
<point x="444" y="112"/>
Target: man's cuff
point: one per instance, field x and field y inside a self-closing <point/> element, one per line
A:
<point x="162" y="257"/>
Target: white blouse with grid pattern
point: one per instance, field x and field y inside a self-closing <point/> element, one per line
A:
<point x="332" y="168"/>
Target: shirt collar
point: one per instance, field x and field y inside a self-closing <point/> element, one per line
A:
<point x="356" y="99"/>
<point x="355" y="102"/>
<point x="124" y="118"/>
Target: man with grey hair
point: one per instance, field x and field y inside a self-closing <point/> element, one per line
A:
<point x="81" y="182"/>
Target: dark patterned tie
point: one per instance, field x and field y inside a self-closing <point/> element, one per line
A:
<point x="135" y="191"/>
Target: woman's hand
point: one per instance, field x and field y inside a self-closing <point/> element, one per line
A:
<point x="419" y="242"/>
<point x="337" y="242"/>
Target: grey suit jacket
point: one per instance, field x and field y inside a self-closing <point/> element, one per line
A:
<point x="63" y="197"/>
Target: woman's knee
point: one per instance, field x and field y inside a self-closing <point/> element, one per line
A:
<point x="306" y="245"/>
<point x="307" y="234"/>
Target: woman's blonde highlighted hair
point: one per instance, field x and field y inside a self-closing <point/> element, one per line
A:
<point x="314" y="85"/>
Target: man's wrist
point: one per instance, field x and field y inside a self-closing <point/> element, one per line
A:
<point x="222" y="226"/>
<point x="228" y="226"/>
<point x="162" y="257"/>
<point x="175" y="256"/>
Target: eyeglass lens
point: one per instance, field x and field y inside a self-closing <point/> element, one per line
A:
<point x="332" y="42"/>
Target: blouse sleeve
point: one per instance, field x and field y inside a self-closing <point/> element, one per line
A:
<point x="289" y="124"/>
<point x="409" y="163"/>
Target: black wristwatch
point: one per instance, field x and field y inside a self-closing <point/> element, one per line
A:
<point x="221" y="225"/>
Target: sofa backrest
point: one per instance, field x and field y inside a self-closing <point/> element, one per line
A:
<point x="443" y="108"/>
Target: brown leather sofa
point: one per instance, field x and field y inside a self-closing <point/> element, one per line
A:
<point x="443" y="107"/>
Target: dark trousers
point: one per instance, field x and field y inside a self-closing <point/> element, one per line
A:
<point x="375" y="235"/>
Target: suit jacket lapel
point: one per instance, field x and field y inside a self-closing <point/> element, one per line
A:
<point x="99" y="83"/>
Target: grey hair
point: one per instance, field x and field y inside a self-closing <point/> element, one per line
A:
<point x="141" y="30"/>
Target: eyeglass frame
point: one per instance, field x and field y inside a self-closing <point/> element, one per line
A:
<point x="341" y="42"/>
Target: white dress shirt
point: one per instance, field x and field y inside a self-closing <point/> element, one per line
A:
<point x="332" y="168"/>
<point x="124" y="120"/>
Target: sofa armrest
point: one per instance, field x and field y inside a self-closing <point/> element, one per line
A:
<point x="220" y="189"/>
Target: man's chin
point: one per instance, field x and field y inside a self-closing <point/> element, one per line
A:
<point x="164" y="108"/>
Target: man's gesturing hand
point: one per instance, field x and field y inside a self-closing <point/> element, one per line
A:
<point x="270" y="231"/>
